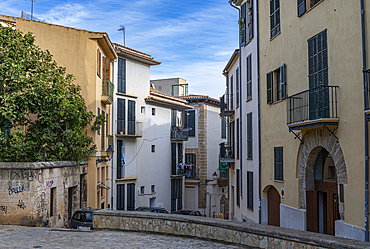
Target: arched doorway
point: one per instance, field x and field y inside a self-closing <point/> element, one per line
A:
<point x="322" y="175"/>
<point x="273" y="204"/>
<point x="322" y="201"/>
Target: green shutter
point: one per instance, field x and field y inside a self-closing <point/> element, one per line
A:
<point x="283" y="81"/>
<point x="243" y="24"/>
<point x="269" y="87"/>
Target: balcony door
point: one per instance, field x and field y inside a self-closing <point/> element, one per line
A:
<point x="131" y="117"/>
<point x="318" y="76"/>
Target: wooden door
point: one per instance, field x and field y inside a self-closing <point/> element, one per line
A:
<point x="312" y="215"/>
<point x="273" y="207"/>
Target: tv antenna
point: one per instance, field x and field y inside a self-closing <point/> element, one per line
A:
<point x="32" y="8"/>
<point x="122" y="28"/>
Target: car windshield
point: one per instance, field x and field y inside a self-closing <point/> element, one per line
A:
<point x="83" y="216"/>
<point x="89" y="216"/>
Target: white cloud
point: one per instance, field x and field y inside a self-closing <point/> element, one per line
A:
<point x="67" y="15"/>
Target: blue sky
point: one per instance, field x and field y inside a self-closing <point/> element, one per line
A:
<point x="193" y="39"/>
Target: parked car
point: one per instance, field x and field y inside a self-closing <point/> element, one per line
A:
<point x="82" y="219"/>
<point x="188" y="212"/>
<point x="151" y="209"/>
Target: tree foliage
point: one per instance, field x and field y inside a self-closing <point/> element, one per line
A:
<point x="42" y="114"/>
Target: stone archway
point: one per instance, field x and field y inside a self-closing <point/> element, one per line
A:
<point x="314" y="141"/>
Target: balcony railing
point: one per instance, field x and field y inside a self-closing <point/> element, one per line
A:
<point x="108" y="89"/>
<point x="223" y="103"/>
<point x="227" y="151"/>
<point x="129" y="128"/>
<point x="189" y="170"/>
<point x="225" y="110"/>
<point x="177" y="133"/>
<point x="315" y="103"/>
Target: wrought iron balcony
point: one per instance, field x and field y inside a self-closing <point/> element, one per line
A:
<point x="129" y="128"/>
<point x="107" y="92"/>
<point x="224" y="107"/>
<point x="227" y="151"/>
<point x="179" y="133"/>
<point x="313" y="107"/>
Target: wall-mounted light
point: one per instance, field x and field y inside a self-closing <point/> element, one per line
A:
<point x="109" y="152"/>
<point x="214" y="177"/>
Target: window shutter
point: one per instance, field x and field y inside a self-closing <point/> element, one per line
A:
<point x="237" y="88"/>
<point x="249" y="77"/>
<point x="121" y="75"/>
<point x="269" y="87"/>
<point x="98" y="115"/>
<point x="250" y="190"/>
<point x="223" y="127"/>
<point x="301" y="7"/>
<point x="243" y="24"/>
<point x="249" y="136"/>
<point x="237" y="138"/>
<point x="283" y="81"/>
<point x="237" y="187"/>
<point x="131" y="117"/>
<point x="251" y="20"/>
<point x="232" y="92"/>
<point x="121" y="116"/>
<point x="278" y="162"/>
<point x="190" y="122"/>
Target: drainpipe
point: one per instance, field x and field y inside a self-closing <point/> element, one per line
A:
<point x="241" y="114"/>
<point x="259" y="119"/>
<point x="366" y="124"/>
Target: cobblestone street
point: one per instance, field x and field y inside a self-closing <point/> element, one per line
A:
<point x="38" y="237"/>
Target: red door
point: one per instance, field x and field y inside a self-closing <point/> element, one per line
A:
<point x="273" y="207"/>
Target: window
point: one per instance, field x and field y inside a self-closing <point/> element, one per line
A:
<point x="121" y="197"/>
<point x="98" y="63"/>
<point x="143" y="109"/>
<point x="237" y="187"/>
<point x="173" y="159"/>
<point x="53" y="202"/>
<point x="190" y="122"/>
<point x="107" y="124"/>
<point x="153" y="148"/>
<point x="278" y="163"/>
<point x="223" y="127"/>
<point x="249" y="136"/>
<point x="106" y="69"/>
<point x="232" y="92"/>
<point x="250" y="190"/>
<point x="179" y="153"/>
<point x="237" y="138"/>
<point x="131" y="117"/>
<point x="237" y="88"/>
<point x="276" y="84"/>
<point x="142" y="190"/>
<point x="120" y="159"/>
<point x="246" y="22"/>
<point x="249" y="77"/>
<point x="275" y="17"/>
<point x="102" y="139"/>
<point x="121" y="116"/>
<point x="303" y="5"/>
<point x="121" y="75"/>
<point x="152" y="188"/>
<point x="98" y="115"/>
<point x="153" y="111"/>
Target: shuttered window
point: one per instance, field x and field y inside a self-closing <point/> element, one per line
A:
<point x="275" y="17"/>
<point x="278" y="163"/>
<point x="223" y="127"/>
<point x="282" y="83"/>
<point x="121" y="197"/>
<point x="237" y="138"/>
<point x="98" y="115"/>
<point x="121" y="114"/>
<point x="232" y="92"/>
<point x="249" y="76"/>
<point x="242" y="26"/>
<point x="250" y="190"/>
<point x="120" y="159"/>
<point x="131" y="118"/>
<point x="237" y="88"/>
<point x="249" y="136"/>
<point x="102" y="139"/>
<point x="98" y="63"/>
<point x="173" y="159"/>
<point x="250" y="24"/>
<point x="106" y="69"/>
<point x="121" y="75"/>
<point x="269" y="78"/>
<point x="237" y="187"/>
<point x="301" y="7"/>
<point x="130" y="197"/>
<point x="190" y="122"/>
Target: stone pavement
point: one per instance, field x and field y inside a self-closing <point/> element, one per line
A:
<point x="40" y="237"/>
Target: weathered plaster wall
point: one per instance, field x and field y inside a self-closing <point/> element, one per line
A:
<point x="25" y="192"/>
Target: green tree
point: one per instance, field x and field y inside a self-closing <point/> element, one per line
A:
<point x="43" y="117"/>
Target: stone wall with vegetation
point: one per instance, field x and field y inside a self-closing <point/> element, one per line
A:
<point x="25" y="192"/>
<point x="239" y="233"/>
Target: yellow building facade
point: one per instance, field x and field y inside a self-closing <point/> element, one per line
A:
<point x="88" y="56"/>
<point x="312" y="116"/>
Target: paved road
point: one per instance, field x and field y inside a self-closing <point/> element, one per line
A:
<point x="39" y="237"/>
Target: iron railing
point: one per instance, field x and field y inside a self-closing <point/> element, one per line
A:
<point x="227" y="151"/>
<point x="177" y="133"/>
<point x="367" y="89"/>
<point x="315" y="103"/>
<point x="108" y="89"/>
<point x="129" y="128"/>
<point x="223" y="103"/>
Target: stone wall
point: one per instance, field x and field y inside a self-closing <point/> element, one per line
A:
<point x="25" y="192"/>
<point x="239" y="233"/>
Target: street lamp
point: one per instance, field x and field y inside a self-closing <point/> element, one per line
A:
<point x="109" y="153"/>
<point x="214" y="176"/>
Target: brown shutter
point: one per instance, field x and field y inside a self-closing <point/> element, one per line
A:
<point x="311" y="211"/>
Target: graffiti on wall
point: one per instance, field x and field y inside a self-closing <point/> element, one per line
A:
<point x="3" y="208"/>
<point x="21" y="204"/>
<point x="28" y="175"/>
<point x="15" y="189"/>
<point x="41" y="207"/>
<point x="49" y="184"/>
